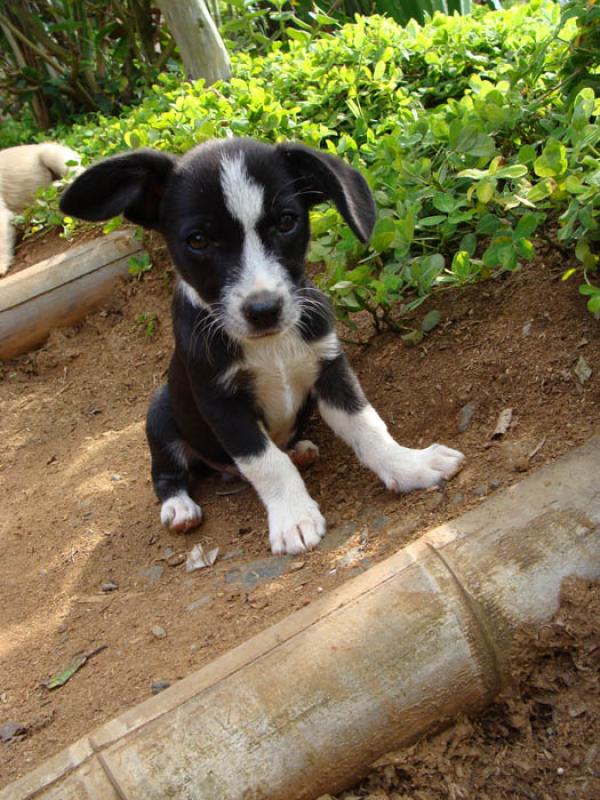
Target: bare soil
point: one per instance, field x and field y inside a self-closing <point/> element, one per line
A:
<point x="78" y="509"/>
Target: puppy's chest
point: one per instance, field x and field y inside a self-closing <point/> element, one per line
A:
<point x="281" y="377"/>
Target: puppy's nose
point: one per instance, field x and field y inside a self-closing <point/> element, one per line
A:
<point x="263" y="310"/>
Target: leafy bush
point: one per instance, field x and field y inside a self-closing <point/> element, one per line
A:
<point x="460" y="126"/>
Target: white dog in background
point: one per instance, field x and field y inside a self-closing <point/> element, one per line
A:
<point x="23" y="170"/>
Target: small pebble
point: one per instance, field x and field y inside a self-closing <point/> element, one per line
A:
<point x="495" y="483"/>
<point x="233" y="554"/>
<point x="159" y="632"/>
<point x="457" y="499"/>
<point x="115" y="478"/>
<point x="168" y="552"/>
<point x="296" y="565"/>
<point x="465" y="416"/>
<point x="433" y="500"/>
<point x="159" y="686"/>
<point x="560" y="771"/>
<point x="10" y="730"/>
<point x="109" y="586"/>
<point x="201" y="601"/>
<point x="176" y="560"/>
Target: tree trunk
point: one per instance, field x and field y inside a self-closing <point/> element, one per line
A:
<point x="201" y="47"/>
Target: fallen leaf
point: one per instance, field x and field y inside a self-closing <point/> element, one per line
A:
<point x="582" y="370"/>
<point x="503" y="423"/>
<point x="537" y="448"/>
<point x="414" y="337"/>
<point x="430" y="320"/>
<point x="198" y="558"/>
<point x="58" y="680"/>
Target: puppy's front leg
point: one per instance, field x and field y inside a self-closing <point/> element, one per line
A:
<point x="295" y="522"/>
<point x="346" y="410"/>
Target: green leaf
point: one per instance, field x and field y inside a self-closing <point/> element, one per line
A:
<point x="486" y="189"/>
<point x="553" y="161"/>
<point x="473" y="173"/>
<point x="383" y="234"/>
<point x="501" y="253"/>
<point x="527" y="154"/>
<point x="461" y="266"/>
<point x="472" y="141"/>
<point x="585" y="255"/>
<point x="515" y="171"/>
<point x="488" y="224"/>
<point x="593" y="304"/>
<point x="444" y="202"/>
<point x="469" y="244"/>
<point x="526" y="226"/>
<point x="379" y="70"/>
<point x="429" y="222"/>
<point x="583" y="108"/>
<point x="298" y="36"/>
<point x="541" y="190"/>
<point x="524" y="248"/>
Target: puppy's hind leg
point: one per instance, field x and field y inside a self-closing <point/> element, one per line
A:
<point x="7" y="236"/>
<point x="170" y="467"/>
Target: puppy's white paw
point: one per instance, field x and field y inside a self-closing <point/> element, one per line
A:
<point x="295" y="525"/>
<point x="180" y="513"/>
<point x="407" y="469"/>
<point x="304" y="453"/>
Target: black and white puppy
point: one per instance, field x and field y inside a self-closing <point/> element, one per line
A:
<point x="255" y="340"/>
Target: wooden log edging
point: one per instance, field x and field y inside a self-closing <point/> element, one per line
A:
<point x="61" y="290"/>
<point x="306" y="706"/>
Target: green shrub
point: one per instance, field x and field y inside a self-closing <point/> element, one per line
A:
<point x="460" y="127"/>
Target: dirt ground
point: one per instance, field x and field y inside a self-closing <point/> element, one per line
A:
<point x="86" y="564"/>
<point x="540" y="741"/>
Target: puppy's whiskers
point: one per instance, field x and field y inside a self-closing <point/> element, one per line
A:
<point x="205" y="330"/>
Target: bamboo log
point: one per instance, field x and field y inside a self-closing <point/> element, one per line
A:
<point x="60" y="290"/>
<point x="305" y="707"/>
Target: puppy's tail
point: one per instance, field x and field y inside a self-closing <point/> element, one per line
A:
<point x="56" y="158"/>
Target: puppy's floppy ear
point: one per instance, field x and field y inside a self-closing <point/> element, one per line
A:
<point x="132" y="184"/>
<point x="329" y="178"/>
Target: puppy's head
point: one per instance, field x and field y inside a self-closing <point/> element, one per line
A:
<point x="234" y="213"/>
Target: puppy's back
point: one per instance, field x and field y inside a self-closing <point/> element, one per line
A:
<point x="26" y="168"/>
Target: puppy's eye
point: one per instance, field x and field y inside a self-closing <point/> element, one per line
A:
<point x="196" y="241"/>
<point x="287" y="223"/>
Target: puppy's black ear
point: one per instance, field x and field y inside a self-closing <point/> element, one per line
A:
<point x="329" y="178"/>
<point x="132" y="184"/>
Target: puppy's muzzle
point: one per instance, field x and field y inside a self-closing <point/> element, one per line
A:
<point x="263" y="311"/>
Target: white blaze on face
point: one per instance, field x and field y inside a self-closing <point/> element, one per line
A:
<point x="260" y="271"/>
